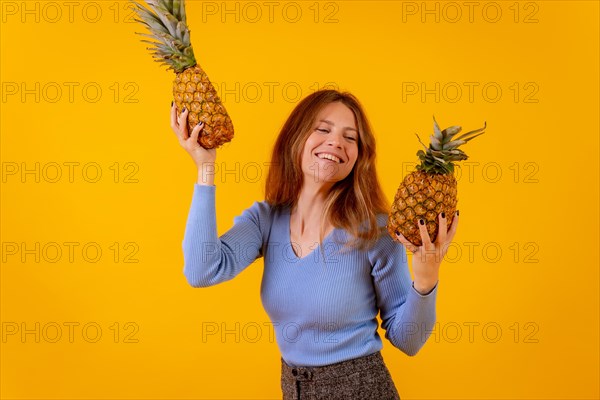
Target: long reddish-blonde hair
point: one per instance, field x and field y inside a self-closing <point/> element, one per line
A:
<point x="352" y="203"/>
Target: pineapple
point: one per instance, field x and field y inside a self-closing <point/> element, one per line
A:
<point x="192" y="89"/>
<point x="431" y="189"/>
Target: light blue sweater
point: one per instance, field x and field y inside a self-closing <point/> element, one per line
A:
<point x="323" y="306"/>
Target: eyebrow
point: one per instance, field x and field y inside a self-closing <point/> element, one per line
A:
<point x="347" y="128"/>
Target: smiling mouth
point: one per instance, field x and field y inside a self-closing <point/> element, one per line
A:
<point x="330" y="157"/>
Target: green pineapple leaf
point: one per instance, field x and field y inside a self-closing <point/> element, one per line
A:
<point x="473" y="137"/>
<point x="463" y="136"/>
<point x="436" y="127"/>
<point x="425" y="147"/>
<point x="435" y="142"/>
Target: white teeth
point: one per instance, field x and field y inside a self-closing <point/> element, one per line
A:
<point x="329" y="157"/>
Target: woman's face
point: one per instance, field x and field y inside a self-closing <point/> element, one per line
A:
<point x="331" y="149"/>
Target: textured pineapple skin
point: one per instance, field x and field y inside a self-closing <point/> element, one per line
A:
<point x="192" y="89"/>
<point x="422" y="195"/>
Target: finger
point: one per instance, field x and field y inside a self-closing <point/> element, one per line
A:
<point x="406" y="243"/>
<point x="443" y="229"/>
<point x="196" y="132"/>
<point x="182" y="119"/>
<point x="424" y="234"/>
<point x="453" y="227"/>
<point x="174" y="123"/>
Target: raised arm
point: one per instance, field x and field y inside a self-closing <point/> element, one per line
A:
<point x="209" y="259"/>
<point x="408" y="309"/>
<point x="408" y="317"/>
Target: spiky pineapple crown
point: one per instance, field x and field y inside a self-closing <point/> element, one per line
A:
<point x="166" y="22"/>
<point x="438" y="158"/>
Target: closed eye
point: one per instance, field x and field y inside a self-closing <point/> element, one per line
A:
<point x="323" y="130"/>
<point x="350" y="138"/>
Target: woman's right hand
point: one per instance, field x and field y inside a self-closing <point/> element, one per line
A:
<point x="199" y="154"/>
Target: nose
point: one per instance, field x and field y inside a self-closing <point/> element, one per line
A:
<point x="334" y="140"/>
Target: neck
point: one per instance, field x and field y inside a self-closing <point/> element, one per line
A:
<point x="308" y="211"/>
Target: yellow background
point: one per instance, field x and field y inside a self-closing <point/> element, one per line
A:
<point x="545" y="203"/>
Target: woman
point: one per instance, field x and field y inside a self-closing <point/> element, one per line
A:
<point x="329" y="265"/>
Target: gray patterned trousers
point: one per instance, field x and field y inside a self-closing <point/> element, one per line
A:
<point x="360" y="378"/>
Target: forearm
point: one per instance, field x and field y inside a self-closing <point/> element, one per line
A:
<point x="414" y="322"/>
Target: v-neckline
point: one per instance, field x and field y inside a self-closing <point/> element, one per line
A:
<point x="288" y="217"/>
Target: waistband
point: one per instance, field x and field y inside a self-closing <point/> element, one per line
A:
<point x="331" y="371"/>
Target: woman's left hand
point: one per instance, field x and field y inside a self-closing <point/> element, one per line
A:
<point x="428" y="257"/>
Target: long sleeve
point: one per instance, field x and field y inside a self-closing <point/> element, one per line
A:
<point x="408" y="317"/>
<point x="209" y="259"/>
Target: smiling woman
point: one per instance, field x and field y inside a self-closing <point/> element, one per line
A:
<point x="327" y="125"/>
<point x="322" y="192"/>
